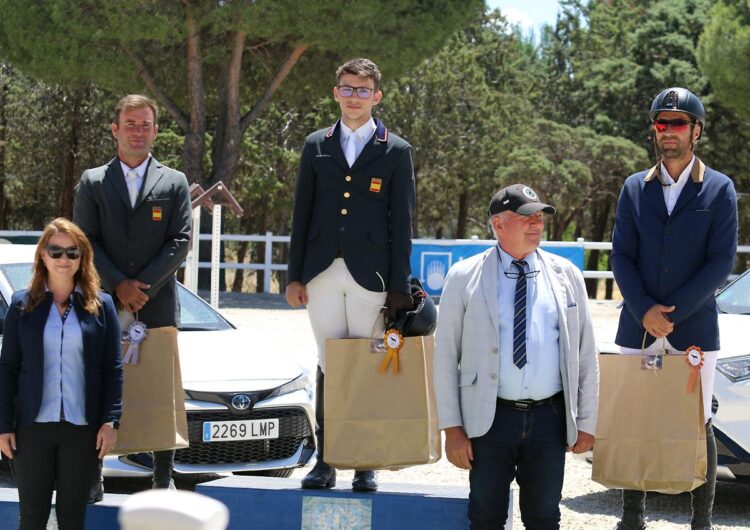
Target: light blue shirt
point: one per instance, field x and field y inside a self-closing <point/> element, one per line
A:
<point x="360" y="136"/>
<point x="63" y="390"/>
<point x="540" y="377"/>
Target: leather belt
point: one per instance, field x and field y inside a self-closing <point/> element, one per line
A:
<point x="528" y="404"/>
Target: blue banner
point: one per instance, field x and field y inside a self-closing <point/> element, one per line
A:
<point x="430" y="261"/>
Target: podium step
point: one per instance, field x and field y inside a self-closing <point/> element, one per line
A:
<point x="280" y="504"/>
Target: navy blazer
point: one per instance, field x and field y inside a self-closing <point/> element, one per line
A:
<point x="678" y="259"/>
<point x="22" y="362"/>
<point x="362" y="213"/>
<point x="147" y="242"/>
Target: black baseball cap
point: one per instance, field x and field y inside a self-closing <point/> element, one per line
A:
<point x="518" y="198"/>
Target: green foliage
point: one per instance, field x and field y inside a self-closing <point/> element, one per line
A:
<point x="724" y="55"/>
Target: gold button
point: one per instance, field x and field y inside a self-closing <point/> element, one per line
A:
<point x="346" y="195"/>
<point x="348" y="178"/>
<point x="343" y="211"/>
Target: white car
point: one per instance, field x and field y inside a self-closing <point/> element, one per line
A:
<point x="731" y="399"/>
<point x="225" y="378"/>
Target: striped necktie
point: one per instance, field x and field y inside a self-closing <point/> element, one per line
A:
<point x="519" y="316"/>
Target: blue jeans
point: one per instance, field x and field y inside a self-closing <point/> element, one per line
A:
<point x="528" y="445"/>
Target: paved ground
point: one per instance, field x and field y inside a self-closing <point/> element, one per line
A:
<point x="585" y="504"/>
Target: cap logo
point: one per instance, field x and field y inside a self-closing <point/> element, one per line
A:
<point x="530" y="193"/>
<point x="671" y="100"/>
<point x="506" y="201"/>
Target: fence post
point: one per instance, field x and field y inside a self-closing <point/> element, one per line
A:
<point x="267" y="263"/>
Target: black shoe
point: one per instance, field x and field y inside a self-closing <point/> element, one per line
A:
<point x="364" y="481"/>
<point x="322" y="476"/>
<point x="96" y="493"/>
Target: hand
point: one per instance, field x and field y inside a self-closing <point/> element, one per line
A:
<point x="130" y="294"/>
<point x="458" y="447"/>
<point x="296" y="294"/>
<point x="397" y="301"/>
<point x="656" y="322"/>
<point x="8" y="444"/>
<point x="106" y="439"/>
<point x="584" y="443"/>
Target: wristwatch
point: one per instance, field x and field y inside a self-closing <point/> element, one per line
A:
<point x="114" y="424"/>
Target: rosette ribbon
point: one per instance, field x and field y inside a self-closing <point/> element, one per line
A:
<point x="134" y="335"/>
<point x="393" y="341"/>
<point x="694" y="359"/>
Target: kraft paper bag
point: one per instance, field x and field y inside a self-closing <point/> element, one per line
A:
<point x="650" y="434"/>
<point x="153" y="401"/>
<point x="380" y="420"/>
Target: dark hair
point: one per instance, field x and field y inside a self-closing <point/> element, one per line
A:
<point x="86" y="277"/>
<point x="360" y="67"/>
<point x="132" y="102"/>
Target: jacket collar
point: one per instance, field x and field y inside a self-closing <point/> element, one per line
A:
<point x="381" y="133"/>
<point x="696" y="174"/>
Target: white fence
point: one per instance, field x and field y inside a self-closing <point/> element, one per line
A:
<point x="269" y="239"/>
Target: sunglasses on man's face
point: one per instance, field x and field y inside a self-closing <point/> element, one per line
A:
<point x="56" y="252"/>
<point x="677" y="126"/>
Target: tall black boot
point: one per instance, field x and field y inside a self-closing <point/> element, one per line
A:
<point x="163" y="466"/>
<point x="96" y="493"/>
<point x="322" y="475"/>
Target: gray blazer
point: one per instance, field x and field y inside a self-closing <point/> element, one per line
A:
<point x="467" y="339"/>
<point x="147" y="242"/>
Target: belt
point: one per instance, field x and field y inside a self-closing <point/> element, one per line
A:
<point x="527" y="404"/>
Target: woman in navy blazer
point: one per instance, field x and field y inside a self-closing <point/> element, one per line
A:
<point x="60" y="379"/>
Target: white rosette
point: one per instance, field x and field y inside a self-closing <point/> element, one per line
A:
<point x="134" y="335"/>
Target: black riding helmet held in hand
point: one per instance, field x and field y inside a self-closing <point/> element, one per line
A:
<point x="678" y="99"/>
<point x="421" y="319"/>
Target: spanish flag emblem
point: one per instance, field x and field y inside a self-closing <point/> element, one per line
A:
<point x="375" y="185"/>
<point x="156" y="213"/>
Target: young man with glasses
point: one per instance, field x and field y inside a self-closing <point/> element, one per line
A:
<point x="516" y="371"/>
<point x="674" y="244"/>
<point x="350" y="248"/>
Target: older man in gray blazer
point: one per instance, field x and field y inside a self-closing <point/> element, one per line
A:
<point x="516" y="371"/>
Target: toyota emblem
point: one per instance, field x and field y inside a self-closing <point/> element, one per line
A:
<point x="241" y="402"/>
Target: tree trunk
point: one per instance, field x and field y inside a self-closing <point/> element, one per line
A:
<point x="192" y="154"/>
<point x="65" y="206"/>
<point x="4" y="91"/>
<point x="463" y="215"/>
<point x="598" y="229"/>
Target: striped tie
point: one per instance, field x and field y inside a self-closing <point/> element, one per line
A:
<point x="519" y="316"/>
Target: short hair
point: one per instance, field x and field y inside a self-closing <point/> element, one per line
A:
<point x="132" y="102"/>
<point x="360" y="67"/>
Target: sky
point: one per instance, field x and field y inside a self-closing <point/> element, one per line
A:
<point x="530" y="14"/>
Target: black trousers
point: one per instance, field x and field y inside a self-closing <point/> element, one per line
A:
<point x="54" y="456"/>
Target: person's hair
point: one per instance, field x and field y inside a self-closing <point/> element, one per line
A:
<point x="360" y="67"/>
<point x="86" y="277"/>
<point x="132" y="102"/>
<point x="490" y="226"/>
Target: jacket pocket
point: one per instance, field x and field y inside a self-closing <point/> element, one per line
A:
<point x="467" y="379"/>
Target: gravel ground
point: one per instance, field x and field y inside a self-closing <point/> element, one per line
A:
<point x="585" y="503"/>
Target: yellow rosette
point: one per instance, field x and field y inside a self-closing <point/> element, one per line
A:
<point x="393" y="341"/>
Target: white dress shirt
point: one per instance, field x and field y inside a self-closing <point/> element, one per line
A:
<point x="540" y="377"/>
<point x="134" y="185"/>
<point x="354" y="141"/>
<point x="672" y="192"/>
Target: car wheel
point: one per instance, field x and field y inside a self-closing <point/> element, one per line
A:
<point x="279" y="473"/>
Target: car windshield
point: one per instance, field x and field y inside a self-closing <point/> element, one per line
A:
<point x="736" y="297"/>
<point x="195" y="314"/>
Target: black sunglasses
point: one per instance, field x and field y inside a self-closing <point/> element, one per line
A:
<point x="56" y="252"/>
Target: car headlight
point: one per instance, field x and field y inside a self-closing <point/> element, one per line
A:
<point x="301" y="383"/>
<point x="735" y="368"/>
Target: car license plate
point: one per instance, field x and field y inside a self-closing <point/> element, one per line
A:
<point x="225" y="431"/>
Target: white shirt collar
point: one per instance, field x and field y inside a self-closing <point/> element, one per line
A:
<point x="363" y="132"/>
<point x="140" y="169"/>
<point x="667" y="178"/>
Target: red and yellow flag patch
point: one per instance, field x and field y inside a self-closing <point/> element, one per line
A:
<point x="375" y="185"/>
<point x="156" y="213"/>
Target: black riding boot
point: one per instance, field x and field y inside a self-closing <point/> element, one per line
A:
<point x="163" y="466"/>
<point x="322" y="475"/>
